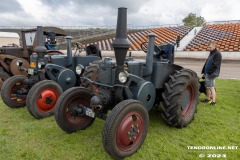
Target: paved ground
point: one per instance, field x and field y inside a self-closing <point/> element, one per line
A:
<point x="229" y="69"/>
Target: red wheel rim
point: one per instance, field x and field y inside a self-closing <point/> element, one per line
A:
<point x="13" y="91"/>
<point x="130" y="131"/>
<point x="77" y="120"/>
<point x="46" y="100"/>
<point x="189" y="98"/>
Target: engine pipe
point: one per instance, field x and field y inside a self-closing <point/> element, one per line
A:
<point x="69" y="51"/>
<point x="40" y="47"/>
<point x="149" y="58"/>
<point x="121" y="44"/>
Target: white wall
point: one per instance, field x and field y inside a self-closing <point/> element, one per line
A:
<point x="8" y="40"/>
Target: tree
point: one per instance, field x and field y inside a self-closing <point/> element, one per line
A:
<point x="193" y="21"/>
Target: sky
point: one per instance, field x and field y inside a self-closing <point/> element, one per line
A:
<point x="104" y="12"/>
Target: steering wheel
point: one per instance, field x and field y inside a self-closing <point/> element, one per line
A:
<point x="144" y="46"/>
<point x="79" y="48"/>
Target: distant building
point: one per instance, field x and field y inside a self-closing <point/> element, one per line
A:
<point x="7" y="38"/>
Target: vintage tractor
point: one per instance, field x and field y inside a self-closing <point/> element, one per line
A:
<point x="129" y="88"/>
<point x="10" y="55"/>
<point x="35" y="90"/>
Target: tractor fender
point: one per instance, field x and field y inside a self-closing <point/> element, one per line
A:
<point x="52" y="71"/>
<point x="66" y="79"/>
<point x="161" y="72"/>
<point x="141" y="90"/>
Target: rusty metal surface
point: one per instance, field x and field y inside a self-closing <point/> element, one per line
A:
<point x="15" y="69"/>
<point x="3" y="77"/>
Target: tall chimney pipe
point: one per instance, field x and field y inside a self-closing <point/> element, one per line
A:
<point x="40" y="48"/>
<point x="149" y="58"/>
<point x="121" y="44"/>
<point x="69" y="50"/>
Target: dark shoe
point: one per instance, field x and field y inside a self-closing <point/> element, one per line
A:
<point x="212" y="103"/>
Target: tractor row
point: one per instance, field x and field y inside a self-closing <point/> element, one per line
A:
<point x="78" y="89"/>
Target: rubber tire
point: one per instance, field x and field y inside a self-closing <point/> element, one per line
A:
<point x="7" y="86"/>
<point x="4" y="75"/>
<point x="32" y="96"/>
<point x="171" y="110"/>
<point x="112" y="123"/>
<point x="91" y="73"/>
<point x="61" y="106"/>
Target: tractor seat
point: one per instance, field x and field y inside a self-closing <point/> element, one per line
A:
<point x="92" y="50"/>
<point x="160" y="54"/>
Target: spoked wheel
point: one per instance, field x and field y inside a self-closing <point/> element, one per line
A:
<point x="180" y="98"/>
<point x="67" y="106"/>
<point x="3" y="77"/>
<point x="42" y="98"/>
<point x="125" y="129"/>
<point x="11" y="89"/>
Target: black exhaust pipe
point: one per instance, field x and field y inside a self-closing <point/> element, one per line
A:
<point x="40" y="47"/>
<point x="121" y="44"/>
<point x="69" y="51"/>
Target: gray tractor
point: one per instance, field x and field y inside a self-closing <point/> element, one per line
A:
<point x="35" y="90"/>
<point x="129" y="88"/>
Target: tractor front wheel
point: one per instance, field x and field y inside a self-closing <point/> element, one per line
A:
<point x="11" y="89"/>
<point x="42" y="98"/>
<point x="67" y="105"/>
<point x="125" y="129"/>
<point x="180" y="98"/>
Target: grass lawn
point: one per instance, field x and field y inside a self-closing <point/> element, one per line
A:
<point x="23" y="137"/>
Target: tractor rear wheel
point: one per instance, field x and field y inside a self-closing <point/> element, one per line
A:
<point x="125" y="129"/>
<point x="10" y="88"/>
<point x="3" y="77"/>
<point x="67" y="105"/>
<point x="42" y="97"/>
<point x="90" y="73"/>
<point x="180" y="98"/>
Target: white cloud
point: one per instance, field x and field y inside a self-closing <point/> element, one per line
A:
<point x="95" y="12"/>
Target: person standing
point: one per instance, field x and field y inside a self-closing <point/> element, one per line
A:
<point x="211" y="70"/>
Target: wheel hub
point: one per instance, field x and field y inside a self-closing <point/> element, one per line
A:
<point x="134" y="130"/>
<point x="75" y="110"/>
<point x="187" y="100"/>
<point x="46" y="100"/>
<point x="130" y="131"/>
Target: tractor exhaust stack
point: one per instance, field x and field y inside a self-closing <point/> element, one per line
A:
<point x="149" y="58"/>
<point x="40" y="48"/>
<point x="121" y="44"/>
<point x="69" y="51"/>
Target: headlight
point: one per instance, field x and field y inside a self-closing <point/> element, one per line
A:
<point x="79" y="69"/>
<point x="19" y="63"/>
<point x="33" y="65"/>
<point x="123" y="77"/>
<point x="41" y="65"/>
